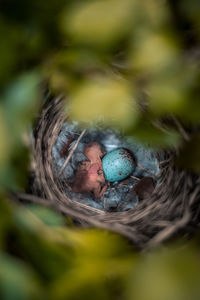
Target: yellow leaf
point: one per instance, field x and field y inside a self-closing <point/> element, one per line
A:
<point x="98" y="22"/>
<point x="166" y="97"/>
<point x="153" y="53"/>
<point x="106" y="100"/>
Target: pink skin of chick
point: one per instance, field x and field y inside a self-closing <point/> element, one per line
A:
<point x="90" y="177"/>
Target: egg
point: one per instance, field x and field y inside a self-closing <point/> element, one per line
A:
<point x="118" y="164"/>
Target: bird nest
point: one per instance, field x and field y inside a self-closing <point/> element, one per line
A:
<point x="173" y="208"/>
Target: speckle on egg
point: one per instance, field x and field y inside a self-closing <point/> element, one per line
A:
<point x="118" y="164"/>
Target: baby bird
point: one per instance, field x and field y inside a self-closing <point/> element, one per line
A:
<point x="89" y="176"/>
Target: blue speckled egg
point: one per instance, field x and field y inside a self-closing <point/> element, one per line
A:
<point x="118" y="164"/>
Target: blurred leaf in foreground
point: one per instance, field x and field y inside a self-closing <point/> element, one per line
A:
<point x="152" y="14"/>
<point x="171" y="274"/>
<point x="153" y="52"/>
<point x="15" y="173"/>
<point x="65" y="67"/>
<point x="145" y="132"/>
<point x="88" y="242"/>
<point x="46" y="250"/>
<point x="170" y="92"/>
<point x="21" y="101"/>
<point x="47" y="215"/>
<point x="17" y="280"/>
<point x="105" y="100"/>
<point x="167" y="96"/>
<point x="102" y="260"/>
<point x="99" y="23"/>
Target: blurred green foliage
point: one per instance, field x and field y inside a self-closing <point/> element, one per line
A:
<point x="41" y="259"/>
<point x="104" y="97"/>
<point x="121" y="63"/>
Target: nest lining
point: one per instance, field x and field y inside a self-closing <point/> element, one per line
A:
<point x="172" y="208"/>
<point x="119" y="196"/>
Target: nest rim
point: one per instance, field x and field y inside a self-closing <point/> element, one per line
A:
<point x="150" y="222"/>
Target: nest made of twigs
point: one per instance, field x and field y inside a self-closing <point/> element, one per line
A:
<point x="172" y="208"/>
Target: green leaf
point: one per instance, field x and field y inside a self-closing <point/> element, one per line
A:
<point x="46" y="215"/>
<point x="146" y="133"/>
<point x="166" y="97"/>
<point x="20" y="104"/>
<point x="105" y="100"/>
<point x="21" y="100"/>
<point x="43" y="247"/>
<point x="17" y="280"/>
<point x="153" y="53"/>
<point x="172" y="274"/>
<point x="99" y="23"/>
<point x="102" y="259"/>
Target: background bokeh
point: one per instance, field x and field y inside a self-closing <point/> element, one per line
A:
<point x="130" y="64"/>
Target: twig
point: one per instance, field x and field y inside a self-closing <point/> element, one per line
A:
<point x="104" y="202"/>
<point x="45" y="202"/>
<point x="68" y="186"/>
<point x="160" y="126"/>
<point x="69" y="211"/>
<point x="71" y="153"/>
<point x="166" y="161"/>
<point x="169" y="230"/>
<point x="134" y="177"/>
<point x="147" y="171"/>
<point x="32" y="198"/>
<point x="88" y="207"/>
<point x="181" y="129"/>
<point x="76" y="133"/>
